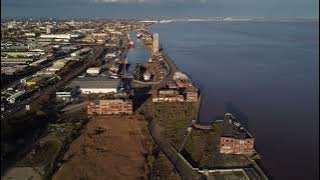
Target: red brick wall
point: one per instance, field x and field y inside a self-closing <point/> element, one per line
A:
<point x="110" y="108"/>
<point x="236" y="146"/>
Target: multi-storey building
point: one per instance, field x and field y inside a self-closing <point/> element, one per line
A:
<point x="235" y="139"/>
<point x="167" y="95"/>
<point x="110" y="106"/>
<point x="175" y="95"/>
<point x="191" y="95"/>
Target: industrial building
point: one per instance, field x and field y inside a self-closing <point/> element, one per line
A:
<point x="167" y="95"/>
<point x="182" y="80"/>
<point x="155" y="43"/>
<point x="146" y="76"/>
<point x="58" y="65"/>
<point x="56" y="36"/>
<point x="235" y="139"/>
<point x="29" y="34"/>
<point x="191" y="94"/>
<point x="110" y="106"/>
<point x="93" y="71"/>
<point x="81" y="52"/>
<point x="34" y="81"/>
<point x="175" y="95"/>
<point x="16" y="61"/>
<point x="49" y="29"/>
<point x="8" y="70"/>
<point x="94" y="85"/>
<point x="16" y="96"/>
<point x="67" y="94"/>
<point x="39" y="62"/>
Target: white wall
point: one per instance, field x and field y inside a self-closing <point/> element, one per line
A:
<point x="102" y="90"/>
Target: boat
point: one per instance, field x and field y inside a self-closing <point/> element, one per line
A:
<point x="139" y="35"/>
<point x="131" y="44"/>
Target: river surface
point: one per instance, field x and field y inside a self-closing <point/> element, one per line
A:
<point x="267" y="74"/>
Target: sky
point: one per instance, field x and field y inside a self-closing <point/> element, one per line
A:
<point x="159" y="8"/>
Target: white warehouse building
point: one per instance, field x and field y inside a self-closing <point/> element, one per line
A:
<point x="55" y="36"/>
<point x="95" y="85"/>
<point x="94" y="70"/>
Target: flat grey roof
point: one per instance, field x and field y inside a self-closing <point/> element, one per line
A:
<point x="95" y="82"/>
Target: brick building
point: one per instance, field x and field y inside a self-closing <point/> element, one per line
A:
<point x="175" y="95"/>
<point x="182" y="80"/>
<point x="191" y="95"/>
<point x="235" y="139"/>
<point x="110" y="106"/>
<point x="167" y="95"/>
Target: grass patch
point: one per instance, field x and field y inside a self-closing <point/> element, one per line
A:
<point x="175" y="118"/>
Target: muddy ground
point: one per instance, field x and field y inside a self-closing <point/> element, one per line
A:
<point x="109" y="147"/>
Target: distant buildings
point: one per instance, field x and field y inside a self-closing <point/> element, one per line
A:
<point x="58" y="65"/>
<point x="178" y="90"/>
<point x="93" y="71"/>
<point x="16" y="61"/>
<point x="146" y="76"/>
<point x="56" y="36"/>
<point x="235" y="139"/>
<point x="80" y="52"/>
<point x="34" y="81"/>
<point x="155" y="43"/>
<point x="49" y="29"/>
<point x="66" y="94"/>
<point x="11" y="70"/>
<point x="16" y="96"/>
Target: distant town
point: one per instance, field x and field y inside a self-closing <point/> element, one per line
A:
<point x="74" y="106"/>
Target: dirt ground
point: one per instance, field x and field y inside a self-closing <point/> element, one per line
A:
<point x="110" y="147"/>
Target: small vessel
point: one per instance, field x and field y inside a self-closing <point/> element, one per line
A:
<point x="139" y="35"/>
<point x="131" y="44"/>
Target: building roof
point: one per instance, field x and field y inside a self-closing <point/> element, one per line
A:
<point x="179" y="75"/>
<point x="17" y="94"/>
<point x="233" y="129"/>
<point x="94" y="68"/>
<point x="95" y="82"/>
<point x="109" y="96"/>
